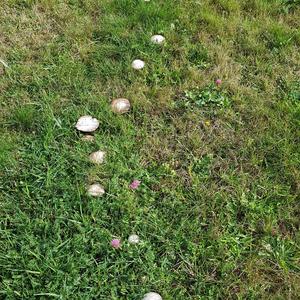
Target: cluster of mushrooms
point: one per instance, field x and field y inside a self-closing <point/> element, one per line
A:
<point x="88" y="125"/>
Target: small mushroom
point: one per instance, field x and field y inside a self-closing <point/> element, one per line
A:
<point x="133" y="239"/>
<point x="97" y="157"/>
<point x="120" y="105"/>
<point x="87" y="124"/>
<point x="152" y="296"/>
<point x="138" y="64"/>
<point x="96" y="190"/>
<point x="88" y="138"/>
<point x="157" y="39"/>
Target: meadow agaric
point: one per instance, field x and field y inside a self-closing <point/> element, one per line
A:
<point x="152" y="296"/>
<point x="87" y="124"/>
<point x="120" y="105"/>
<point x="157" y="39"/>
<point x="96" y="190"/>
<point x="138" y="64"/>
<point x="97" y="157"/>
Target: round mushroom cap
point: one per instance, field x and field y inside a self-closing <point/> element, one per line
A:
<point x="157" y="39"/>
<point x="152" y="296"/>
<point x="120" y="105"/>
<point x="96" y="190"/>
<point x="138" y="64"/>
<point x="97" y="157"/>
<point x="87" y="124"/>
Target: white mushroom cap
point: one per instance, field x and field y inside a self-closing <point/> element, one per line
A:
<point x="97" y="157"/>
<point x="138" y="64"/>
<point x="133" y="239"/>
<point x="96" y="190"/>
<point x="157" y="39"/>
<point x="87" y="124"/>
<point x="120" y="105"/>
<point x="152" y="296"/>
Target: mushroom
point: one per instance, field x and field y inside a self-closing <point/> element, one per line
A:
<point x="157" y="39"/>
<point x="138" y="64"/>
<point x="133" y="239"/>
<point x="87" y="124"/>
<point x="152" y="296"/>
<point x="97" y="157"/>
<point x="96" y="190"/>
<point x="120" y="105"/>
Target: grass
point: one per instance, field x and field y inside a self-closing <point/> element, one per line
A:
<point x="218" y="207"/>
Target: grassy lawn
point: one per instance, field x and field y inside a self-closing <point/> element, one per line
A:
<point x="218" y="208"/>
